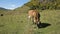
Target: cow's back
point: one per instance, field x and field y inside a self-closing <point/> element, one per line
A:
<point x="33" y="13"/>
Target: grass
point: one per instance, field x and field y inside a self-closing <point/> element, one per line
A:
<point x="19" y="24"/>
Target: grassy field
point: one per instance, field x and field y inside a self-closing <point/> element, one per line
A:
<point x="20" y="24"/>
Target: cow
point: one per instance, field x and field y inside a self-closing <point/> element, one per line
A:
<point x="34" y="15"/>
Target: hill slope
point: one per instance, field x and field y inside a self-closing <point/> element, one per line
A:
<point x="22" y="9"/>
<point x="3" y="10"/>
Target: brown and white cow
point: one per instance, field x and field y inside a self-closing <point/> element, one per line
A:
<point x="34" y="15"/>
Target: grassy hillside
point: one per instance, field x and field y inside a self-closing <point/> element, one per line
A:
<point x="24" y="8"/>
<point x="20" y="24"/>
<point x="44" y="4"/>
<point x="17" y="22"/>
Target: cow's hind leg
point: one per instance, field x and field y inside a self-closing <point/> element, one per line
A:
<point x="35" y="20"/>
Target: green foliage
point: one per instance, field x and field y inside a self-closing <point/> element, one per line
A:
<point x="48" y="4"/>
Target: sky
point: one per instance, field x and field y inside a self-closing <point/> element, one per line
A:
<point x="12" y="4"/>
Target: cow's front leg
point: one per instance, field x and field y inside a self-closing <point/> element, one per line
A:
<point x="35" y="20"/>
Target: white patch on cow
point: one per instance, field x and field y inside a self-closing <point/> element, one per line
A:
<point x="34" y="21"/>
<point x="29" y="17"/>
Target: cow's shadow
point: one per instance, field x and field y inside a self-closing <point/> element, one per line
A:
<point x="43" y="25"/>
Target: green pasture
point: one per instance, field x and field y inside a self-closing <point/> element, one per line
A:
<point x="20" y="24"/>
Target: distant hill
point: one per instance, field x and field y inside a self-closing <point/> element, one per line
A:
<point x="3" y="9"/>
